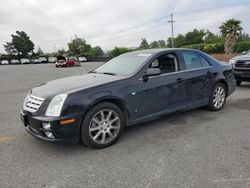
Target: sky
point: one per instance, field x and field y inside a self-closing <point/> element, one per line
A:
<point x="51" y="24"/>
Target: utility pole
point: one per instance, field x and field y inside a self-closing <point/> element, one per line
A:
<point x="172" y="28"/>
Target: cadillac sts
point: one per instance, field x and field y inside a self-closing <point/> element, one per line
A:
<point x="132" y="88"/>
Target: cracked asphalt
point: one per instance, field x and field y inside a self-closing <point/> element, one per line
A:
<point x="197" y="148"/>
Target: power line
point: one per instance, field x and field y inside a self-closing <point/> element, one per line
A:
<point x="177" y="13"/>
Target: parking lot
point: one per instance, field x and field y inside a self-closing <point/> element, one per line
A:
<point x="189" y="149"/>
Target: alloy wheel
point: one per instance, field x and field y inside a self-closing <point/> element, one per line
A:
<point x="104" y="126"/>
<point x="219" y="97"/>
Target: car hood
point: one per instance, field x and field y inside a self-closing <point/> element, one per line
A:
<point x="71" y="84"/>
<point x="242" y="57"/>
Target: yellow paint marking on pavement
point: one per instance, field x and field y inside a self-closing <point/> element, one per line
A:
<point x="5" y="139"/>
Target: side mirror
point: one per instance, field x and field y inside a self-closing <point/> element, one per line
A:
<point x="151" y="72"/>
<point x="244" y="53"/>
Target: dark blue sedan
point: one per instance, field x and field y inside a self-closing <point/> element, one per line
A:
<point x="132" y="88"/>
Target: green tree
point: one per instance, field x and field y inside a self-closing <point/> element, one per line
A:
<point x="154" y="44"/>
<point x="212" y="38"/>
<point x="118" y="51"/>
<point x="144" y="44"/>
<point x="180" y="40"/>
<point x="230" y="30"/>
<point x="10" y="49"/>
<point x="161" y="43"/>
<point x="39" y="51"/>
<point x="97" y="51"/>
<point x="195" y="37"/>
<point x="22" y="43"/>
<point x="60" y="52"/>
<point x="78" y="46"/>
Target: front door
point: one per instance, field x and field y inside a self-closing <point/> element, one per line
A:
<point x="159" y="94"/>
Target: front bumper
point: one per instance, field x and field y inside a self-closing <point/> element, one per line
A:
<point x="242" y="74"/>
<point x="67" y="132"/>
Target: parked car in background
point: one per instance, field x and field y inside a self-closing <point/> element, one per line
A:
<point x="82" y="59"/>
<point x="36" y="61"/>
<point x="71" y="62"/>
<point x="43" y="59"/>
<point x="25" y="61"/>
<point x="241" y="67"/>
<point x="4" y="62"/>
<point x="52" y="59"/>
<point x="14" y="61"/>
<point x="132" y="88"/>
<point x="59" y="61"/>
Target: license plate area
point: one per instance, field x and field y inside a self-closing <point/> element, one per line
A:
<point x="246" y="75"/>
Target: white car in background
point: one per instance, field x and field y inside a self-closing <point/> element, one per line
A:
<point x="4" y="62"/>
<point x="25" y="61"/>
<point x="82" y="59"/>
<point x="43" y="59"/>
<point x="35" y="61"/>
<point x="52" y="59"/>
<point x="14" y="61"/>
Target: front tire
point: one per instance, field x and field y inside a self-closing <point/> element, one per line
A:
<point x="102" y="125"/>
<point x="218" y="98"/>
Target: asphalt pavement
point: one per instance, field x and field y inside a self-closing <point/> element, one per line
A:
<point x="197" y="148"/>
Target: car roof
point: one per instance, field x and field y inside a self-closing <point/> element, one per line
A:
<point x="158" y="50"/>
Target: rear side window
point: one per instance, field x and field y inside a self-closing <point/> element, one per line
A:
<point x="194" y="61"/>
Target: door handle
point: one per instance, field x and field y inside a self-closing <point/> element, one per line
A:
<point x="179" y="79"/>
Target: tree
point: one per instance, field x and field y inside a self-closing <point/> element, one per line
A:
<point x="230" y="30"/>
<point x="118" y="51"/>
<point x="180" y="40"/>
<point x="22" y="43"/>
<point x="97" y="51"/>
<point x="212" y="38"/>
<point x="79" y="47"/>
<point x="144" y="44"/>
<point x="154" y="44"/>
<point x="195" y="37"/>
<point x="10" y="48"/>
<point x="60" y="52"/>
<point x="39" y="51"/>
<point x="161" y="43"/>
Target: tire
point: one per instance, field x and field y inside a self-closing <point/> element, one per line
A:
<point x="218" y="97"/>
<point x="238" y="82"/>
<point x="102" y="125"/>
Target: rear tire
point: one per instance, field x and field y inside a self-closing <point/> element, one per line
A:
<point x="218" y="97"/>
<point x="102" y="125"/>
<point x="238" y="83"/>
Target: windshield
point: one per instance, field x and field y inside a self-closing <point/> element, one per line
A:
<point x="125" y="64"/>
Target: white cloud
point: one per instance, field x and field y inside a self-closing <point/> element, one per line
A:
<point x="51" y="22"/>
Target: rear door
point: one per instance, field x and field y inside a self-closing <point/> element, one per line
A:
<point x="199" y="78"/>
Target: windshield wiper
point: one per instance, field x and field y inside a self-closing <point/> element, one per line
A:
<point x="108" y="73"/>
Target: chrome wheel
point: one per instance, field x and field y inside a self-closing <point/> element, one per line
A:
<point x="104" y="126"/>
<point x="219" y="97"/>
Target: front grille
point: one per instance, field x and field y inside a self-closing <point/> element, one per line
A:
<point x="242" y="64"/>
<point x="32" y="103"/>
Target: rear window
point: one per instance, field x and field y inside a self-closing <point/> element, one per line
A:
<point x="193" y="60"/>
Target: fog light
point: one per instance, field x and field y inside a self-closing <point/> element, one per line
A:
<point x="49" y="134"/>
<point x="46" y="126"/>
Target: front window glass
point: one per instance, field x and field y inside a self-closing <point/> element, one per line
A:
<point x="125" y="64"/>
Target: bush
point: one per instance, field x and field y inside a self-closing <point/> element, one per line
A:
<point x="208" y="48"/>
<point x="242" y="46"/>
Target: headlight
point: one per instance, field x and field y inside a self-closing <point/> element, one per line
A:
<point x="55" y="105"/>
<point x="232" y="61"/>
<point x="26" y="100"/>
